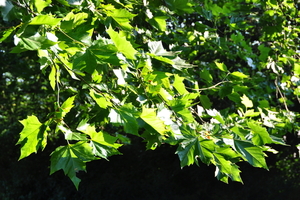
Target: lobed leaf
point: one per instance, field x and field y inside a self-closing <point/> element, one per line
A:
<point x="71" y="159"/>
<point x="33" y="136"/>
<point x="122" y="44"/>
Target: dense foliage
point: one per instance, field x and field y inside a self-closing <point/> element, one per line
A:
<point x="217" y="79"/>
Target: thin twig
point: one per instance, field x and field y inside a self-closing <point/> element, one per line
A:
<point x="211" y="87"/>
<point x="281" y="95"/>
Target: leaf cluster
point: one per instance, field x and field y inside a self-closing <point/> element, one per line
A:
<point x="217" y="79"/>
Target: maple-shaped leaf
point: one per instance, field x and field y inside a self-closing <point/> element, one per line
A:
<point x="33" y="136"/>
<point x="195" y="147"/>
<point x="122" y="17"/>
<point x="123" y="46"/>
<point x="260" y="134"/>
<point x="103" y="144"/>
<point x="71" y="159"/>
<point x="129" y="114"/>
<point x="181" y="107"/>
<point x="62" y="110"/>
<point x="67" y="105"/>
<point x="251" y="153"/>
<point x="234" y="174"/>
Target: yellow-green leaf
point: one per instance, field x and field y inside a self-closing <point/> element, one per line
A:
<point x="150" y="117"/>
<point x="33" y="136"/>
<point x="246" y="101"/>
<point x="122" y="44"/>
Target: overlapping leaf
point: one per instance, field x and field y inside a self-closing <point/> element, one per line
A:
<point x="251" y="153"/>
<point x="103" y="144"/>
<point x="122" y="44"/>
<point x="71" y="159"/>
<point x="193" y="148"/>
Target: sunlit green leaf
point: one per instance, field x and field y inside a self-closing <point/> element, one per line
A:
<point x="67" y="105"/>
<point x="33" y="136"/>
<point x="179" y="85"/>
<point x="41" y="4"/>
<point x="221" y="66"/>
<point x="122" y="44"/>
<point x="246" y="101"/>
<point x="260" y="134"/>
<point x="101" y="100"/>
<point x="45" y="20"/>
<point x="71" y="159"/>
<point x="150" y="117"/>
<point x="122" y="17"/>
<point x="103" y="144"/>
<point x="239" y="75"/>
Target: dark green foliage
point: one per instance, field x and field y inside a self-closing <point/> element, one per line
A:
<point x="217" y="80"/>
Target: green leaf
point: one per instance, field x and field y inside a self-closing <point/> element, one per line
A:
<point x="180" y="106"/>
<point x="160" y="58"/>
<point x="71" y="159"/>
<point x="239" y="75"/>
<point x="122" y="17"/>
<point x="179" y="85"/>
<point x="52" y="77"/>
<point x="45" y="20"/>
<point x="122" y="44"/>
<point x="216" y="115"/>
<point x="264" y="52"/>
<point x="260" y="134"/>
<point x="71" y="135"/>
<point x="126" y="115"/>
<point x="180" y="5"/>
<point x="157" y="49"/>
<point x="7" y="33"/>
<point x="103" y="144"/>
<point x="152" y="138"/>
<point x="221" y="66"/>
<point x="297" y="68"/>
<point x="71" y="21"/>
<point x="251" y="113"/>
<point x="253" y="154"/>
<point x="204" y="74"/>
<point x="239" y="131"/>
<point x="33" y="136"/>
<point x="34" y="42"/>
<point x="234" y="174"/>
<point x="86" y="62"/>
<point x="150" y="117"/>
<point x="67" y="106"/>
<point x="246" y="101"/>
<point x="129" y="114"/>
<point x="190" y="149"/>
<point x="101" y="100"/>
<point x="159" y="22"/>
<point x="264" y="104"/>
<point x="278" y="140"/>
<point x="205" y="102"/>
<point x="41" y="4"/>
<point x="223" y="164"/>
<point x="103" y="51"/>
